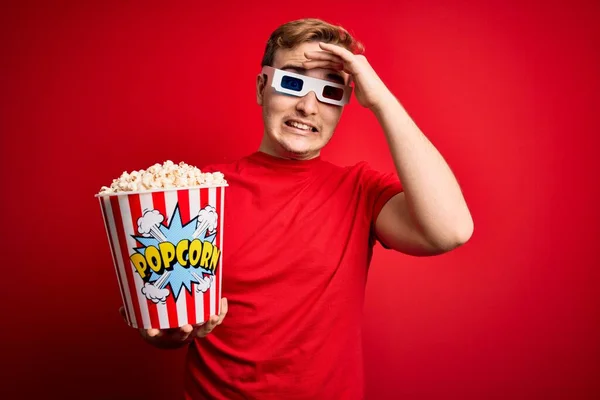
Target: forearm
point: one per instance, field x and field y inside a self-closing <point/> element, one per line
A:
<point x="433" y="196"/>
<point x="166" y="344"/>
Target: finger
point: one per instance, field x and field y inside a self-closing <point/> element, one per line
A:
<point x="152" y="332"/>
<point x="323" y="64"/>
<point x="208" y="326"/>
<point x="224" y="309"/>
<point x="322" y="55"/>
<point x="340" y="51"/>
<point x="184" y="331"/>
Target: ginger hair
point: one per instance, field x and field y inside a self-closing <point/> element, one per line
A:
<point x="291" y="34"/>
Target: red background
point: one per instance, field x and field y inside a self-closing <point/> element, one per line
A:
<point x="507" y="92"/>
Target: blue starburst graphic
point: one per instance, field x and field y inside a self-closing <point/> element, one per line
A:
<point x="176" y="231"/>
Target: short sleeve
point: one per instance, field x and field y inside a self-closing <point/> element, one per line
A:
<point x="378" y="189"/>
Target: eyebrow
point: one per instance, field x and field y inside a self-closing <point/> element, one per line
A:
<point x="301" y="70"/>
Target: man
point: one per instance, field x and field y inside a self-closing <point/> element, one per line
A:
<point x="300" y="231"/>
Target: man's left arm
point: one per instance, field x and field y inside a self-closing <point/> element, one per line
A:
<point x="430" y="216"/>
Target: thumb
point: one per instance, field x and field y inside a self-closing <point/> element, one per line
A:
<point x="122" y="312"/>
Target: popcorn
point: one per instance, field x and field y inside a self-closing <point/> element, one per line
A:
<point x="166" y="176"/>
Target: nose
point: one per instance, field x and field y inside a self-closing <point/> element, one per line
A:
<point x="308" y="104"/>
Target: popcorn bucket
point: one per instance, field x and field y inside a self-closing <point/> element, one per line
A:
<point x="167" y="248"/>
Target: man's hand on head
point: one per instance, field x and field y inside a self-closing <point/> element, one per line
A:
<point x="369" y="89"/>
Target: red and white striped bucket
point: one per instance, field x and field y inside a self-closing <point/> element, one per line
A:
<point x="167" y="250"/>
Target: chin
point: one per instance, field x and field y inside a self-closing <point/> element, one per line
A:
<point x="300" y="144"/>
<point x="292" y="146"/>
<point x="299" y="151"/>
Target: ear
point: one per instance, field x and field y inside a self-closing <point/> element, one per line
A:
<point x="261" y="83"/>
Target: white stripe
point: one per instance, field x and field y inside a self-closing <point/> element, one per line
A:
<point x="212" y="200"/>
<point x="198" y="299"/>
<point x="146" y="203"/>
<point x="182" y="317"/>
<point x="137" y="279"/>
<point x="170" y="204"/>
<point x="221" y="223"/>
<point x="120" y="271"/>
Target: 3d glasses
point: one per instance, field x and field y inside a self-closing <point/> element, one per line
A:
<point x="300" y="85"/>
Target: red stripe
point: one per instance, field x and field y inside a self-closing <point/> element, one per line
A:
<point x="128" y="312"/>
<point x="205" y="295"/>
<point x="137" y="314"/>
<point x="183" y="199"/>
<point x="159" y="203"/>
<point x="218" y="242"/>
<point x="136" y="212"/>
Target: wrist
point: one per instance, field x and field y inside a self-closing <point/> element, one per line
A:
<point x="386" y="102"/>
<point x="167" y="340"/>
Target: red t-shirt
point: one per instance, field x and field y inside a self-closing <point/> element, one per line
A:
<point x="298" y="241"/>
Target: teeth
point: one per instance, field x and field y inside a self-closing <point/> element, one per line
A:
<point x="300" y="126"/>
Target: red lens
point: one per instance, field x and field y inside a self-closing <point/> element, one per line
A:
<point x="333" y="93"/>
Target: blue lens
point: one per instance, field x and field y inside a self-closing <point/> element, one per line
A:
<point x="291" y="83"/>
